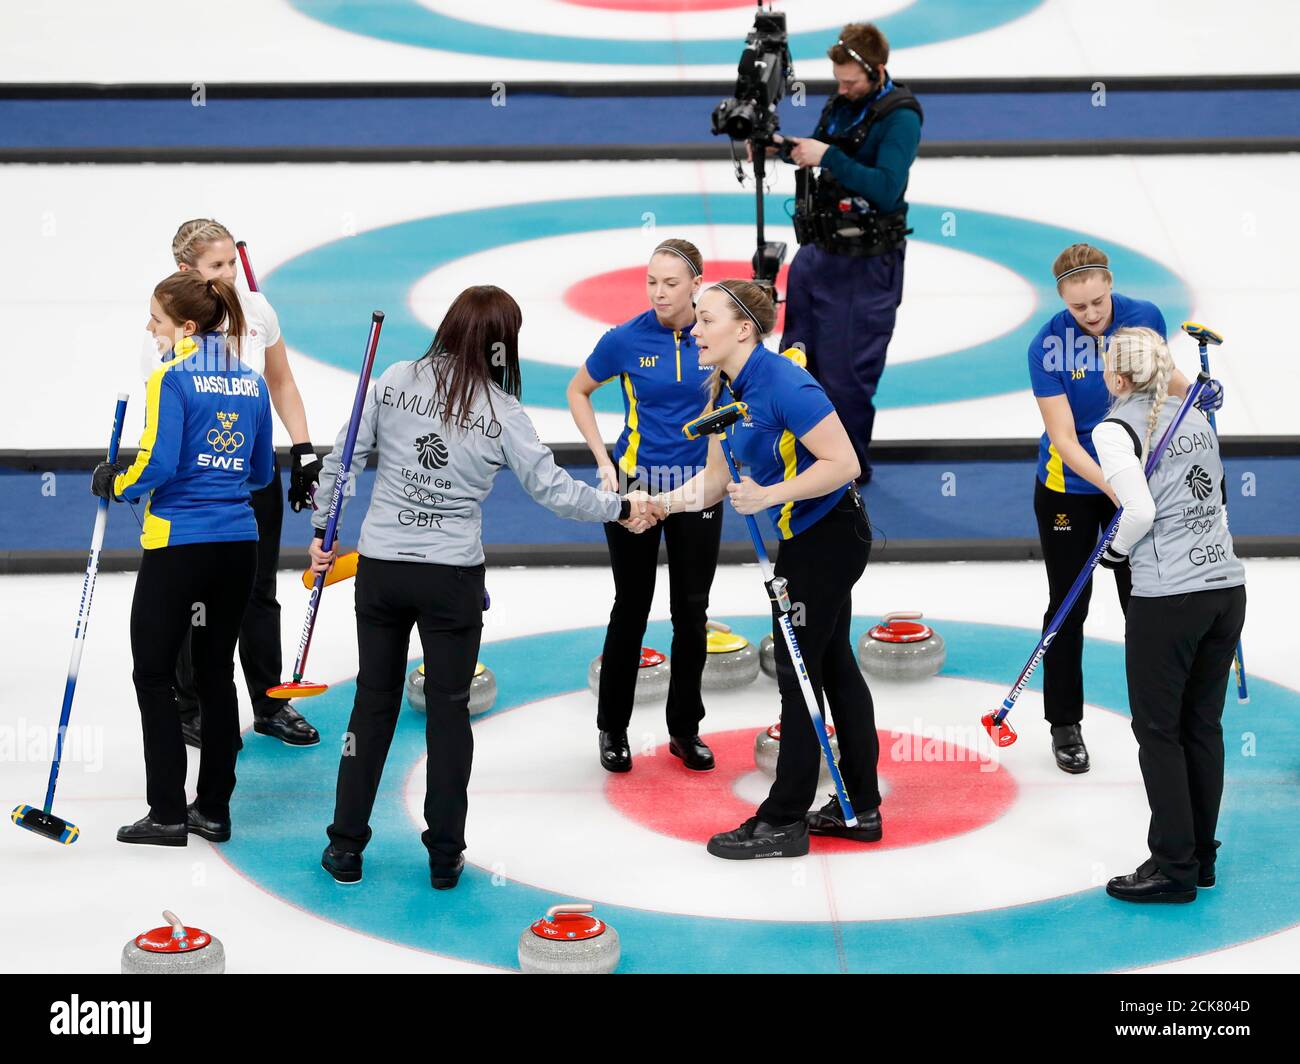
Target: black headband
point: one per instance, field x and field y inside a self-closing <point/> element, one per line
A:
<point x="744" y="309"/>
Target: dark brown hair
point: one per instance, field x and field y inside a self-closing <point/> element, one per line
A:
<point x="865" y="39"/>
<point x="477" y="342"/>
<point x="186" y="296"/>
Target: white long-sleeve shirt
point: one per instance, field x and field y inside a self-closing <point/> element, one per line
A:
<point x="1123" y="471"/>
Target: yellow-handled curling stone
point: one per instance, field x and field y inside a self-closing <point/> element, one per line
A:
<point x="732" y="660"/>
<point x="482" y="689"/>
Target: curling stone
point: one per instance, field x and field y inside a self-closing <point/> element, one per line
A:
<point x="569" y="942"/>
<point x="174" y="950"/>
<point x="651" y="678"/>
<point x="767" y="656"/>
<point x="482" y="689"/>
<point x="767" y="745"/>
<point x="732" y="660"/>
<point x="901" y="649"/>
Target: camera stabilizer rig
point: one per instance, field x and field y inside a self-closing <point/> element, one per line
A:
<point x="763" y="75"/>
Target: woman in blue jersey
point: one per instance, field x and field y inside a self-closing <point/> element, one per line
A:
<point x="206" y="442"/>
<point x="801" y="470"/>
<point x="655" y="362"/>
<point x="1073" y="503"/>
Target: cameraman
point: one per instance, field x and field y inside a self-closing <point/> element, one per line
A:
<point x="846" y="282"/>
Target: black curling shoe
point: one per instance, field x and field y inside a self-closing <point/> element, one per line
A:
<point x="757" y="838"/>
<point x="1148" y="883"/>
<point x="148" y="832"/>
<point x="829" y="820"/>
<point x="444" y="877"/>
<point x="1067" y="746"/>
<point x="287" y="725"/>
<point x="615" y="755"/>
<point x="1205" y="878"/>
<point x="192" y="730"/>
<point x="343" y="865"/>
<point x="694" y="754"/>
<point x="205" y="827"/>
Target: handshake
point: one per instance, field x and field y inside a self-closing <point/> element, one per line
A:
<point x="644" y="511"/>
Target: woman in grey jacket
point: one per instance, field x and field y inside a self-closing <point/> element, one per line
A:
<point x="443" y="425"/>
<point x="1185" y="615"/>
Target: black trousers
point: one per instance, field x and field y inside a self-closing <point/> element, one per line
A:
<point x="197" y="591"/>
<point x="822" y="563"/>
<point x="692" y="540"/>
<point x="1069" y="526"/>
<point x="259" y="635"/>
<point x="445" y="603"/>
<point x="1177" y="652"/>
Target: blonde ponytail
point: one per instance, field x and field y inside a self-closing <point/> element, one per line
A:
<point x="1142" y="357"/>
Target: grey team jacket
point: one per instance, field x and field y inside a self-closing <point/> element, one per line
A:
<point x="1188" y="547"/>
<point x="433" y="474"/>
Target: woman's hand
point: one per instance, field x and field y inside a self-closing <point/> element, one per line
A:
<point x="646" y="512"/>
<point x="608" y="477"/>
<point x="321" y="561"/>
<point x="747" y="497"/>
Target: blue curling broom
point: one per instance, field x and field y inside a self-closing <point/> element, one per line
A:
<point x="42" y="821"/>
<point x="717" y="422"/>
<point x="996" y="724"/>
<point x="1204" y="336"/>
<point x="298" y="687"/>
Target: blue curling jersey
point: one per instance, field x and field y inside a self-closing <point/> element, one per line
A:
<point x="663" y="386"/>
<point x="785" y="401"/>
<point x="206" y="443"/>
<point x="1065" y="360"/>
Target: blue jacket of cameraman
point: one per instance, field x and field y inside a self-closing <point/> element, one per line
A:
<point x="878" y="171"/>
<point x="843" y="292"/>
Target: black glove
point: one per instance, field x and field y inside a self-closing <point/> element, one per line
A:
<point x="303" y="478"/>
<point x="101" y="480"/>
<point x="1110" y="559"/>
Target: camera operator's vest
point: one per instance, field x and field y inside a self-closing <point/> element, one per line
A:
<point x="1189" y="548"/>
<point x="835" y="217"/>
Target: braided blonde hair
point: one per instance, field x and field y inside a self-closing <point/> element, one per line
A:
<point x="757" y="300"/>
<point x="195" y="235"/>
<point x="1142" y="357"/>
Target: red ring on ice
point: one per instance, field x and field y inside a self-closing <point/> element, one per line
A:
<point x="927" y="801"/>
<point x="618" y="295"/>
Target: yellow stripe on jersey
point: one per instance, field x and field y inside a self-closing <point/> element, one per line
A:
<point x="628" y="462"/>
<point x="156" y="531"/>
<point x="1055" y="470"/>
<point x="153" y="391"/>
<point x="786" y="447"/>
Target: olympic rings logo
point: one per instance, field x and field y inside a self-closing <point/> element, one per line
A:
<point x="225" y="440"/>
<point x="418" y="494"/>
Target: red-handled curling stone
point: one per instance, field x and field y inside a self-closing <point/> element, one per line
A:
<point x="767" y="747"/>
<point x="651" y="677"/>
<point x="174" y="950"/>
<point x="901" y="648"/>
<point x="569" y="941"/>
